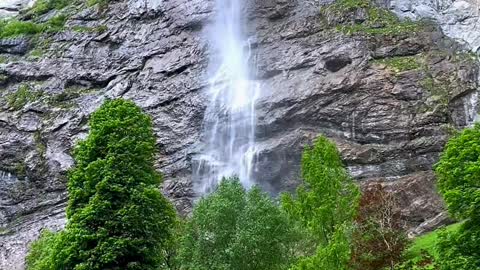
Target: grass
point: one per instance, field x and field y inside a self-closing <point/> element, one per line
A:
<point x="22" y="96"/>
<point x="3" y="59"/>
<point x="14" y="28"/>
<point x="101" y="3"/>
<point x="426" y="243"/>
<point x="400" y="63"/>
<point x="85" y="29"/>
<point x="44" y="6"/>
<point x="3" y="78"/>
<point x="378" y="21"/>
<point x="41" y="147"/>
<point x="67" y="97"/>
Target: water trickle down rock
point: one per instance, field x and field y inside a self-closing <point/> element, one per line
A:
<point x="230" y="118"/>
<point x="460" y="20"/>
<point x="389" y="126"/>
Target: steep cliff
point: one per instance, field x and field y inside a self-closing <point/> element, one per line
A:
<point x="388" y="92"/>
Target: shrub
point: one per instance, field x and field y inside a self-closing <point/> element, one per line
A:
<point x="458" y="174"/>
<point x="12" y="28"/>
<point x="326" y="205"/>
<point x="43" y="6"/>
<point x="363" y="16"/>
<point x="22" y="96"/>
<point x="117" y="217"/>
<point x="238" y="230"/>
<point x="378" y="239"/>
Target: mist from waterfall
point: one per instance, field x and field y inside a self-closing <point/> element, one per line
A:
<point x="229" y="121"/>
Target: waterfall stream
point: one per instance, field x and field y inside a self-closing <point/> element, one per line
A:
<point x="229" y="121"/>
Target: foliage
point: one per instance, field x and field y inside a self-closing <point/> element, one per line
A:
<point x="41" y="251"/>
<point x="458" y="182"/>
<point x="101" y="3"/>
<point x="377" y="21"/>
<point x="325" y="205"/>
<point x="43" y="6"/>
<point x="458" y="171"/>
<point x="460" y="250"/>
<point x="427" y="243"/>
<point x="378" y="239"/>
<point x="3" y="59"/>
<point x="3" y="78"/>
<point x="22" y="96"/>
<point x="238" y="230"/>
<point x="400" y="63"/>
<point x="85" y="29"/>
<point x="423" y="261"/>
<point x="13" y="28"/>
<point x="117" y="217"/>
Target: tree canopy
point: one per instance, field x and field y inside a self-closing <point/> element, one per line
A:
<point x="117" y="217"/>
<point x="238" y="230"/>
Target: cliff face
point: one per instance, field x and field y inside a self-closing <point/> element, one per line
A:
<point x="390" y="100"/>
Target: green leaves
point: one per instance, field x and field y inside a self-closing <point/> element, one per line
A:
<point x="458" y="173"/>
<point x="117" y="217"/>
<point x="325" y="205"/>
<point x="238" y="230"/>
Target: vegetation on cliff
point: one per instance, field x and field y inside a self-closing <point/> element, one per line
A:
<point x="325" y="225"/>
<point x="118" y="219"/>
<point x="365" y="17"/>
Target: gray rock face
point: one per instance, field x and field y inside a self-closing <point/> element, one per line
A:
<point x="10" y="8"/>
<point x="459" y="19"/>
<point x="390" y="126"/>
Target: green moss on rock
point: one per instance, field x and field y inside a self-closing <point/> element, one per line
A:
<point x="44" y="6"/>
<point x="22" y="96"/>
<point x="400" y="63"/>
<point x="364" y="17"/>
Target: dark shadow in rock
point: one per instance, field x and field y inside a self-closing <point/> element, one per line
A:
<point x="335" y="64"/>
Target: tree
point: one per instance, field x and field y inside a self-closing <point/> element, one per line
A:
<point x="117" y="217"/>
<point x="378" y="239"/>
<point x="325" y="205"/>
<point x="458" y="173"/>
<point x="237" y="230"/>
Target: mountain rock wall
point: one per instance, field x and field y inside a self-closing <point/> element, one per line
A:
<point x="390" y="101"/>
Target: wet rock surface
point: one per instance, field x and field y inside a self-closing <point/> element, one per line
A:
<point x="390" y="126"/>
<point x="459" y="19"/>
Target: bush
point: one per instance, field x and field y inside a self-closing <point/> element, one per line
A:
<point x="117" y="217"/>
<point x="22" y="96"/>
<point x="326" y="205"/>
<point x="41" y="252"/>
<point x="460" y="250"/>
<point x="12" y="28"/>
<point x="237" y="230"/>
<point x="43" y="6"/>
<point x="378" y="239"/>
<point x="459" y="183"/>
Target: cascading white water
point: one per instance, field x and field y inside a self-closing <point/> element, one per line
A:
<point x="229" y="121"/>
<point x="471" y="106"/>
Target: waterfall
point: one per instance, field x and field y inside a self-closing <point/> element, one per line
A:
<point x="229" y="121"/>
<point x="471" y="106"/>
